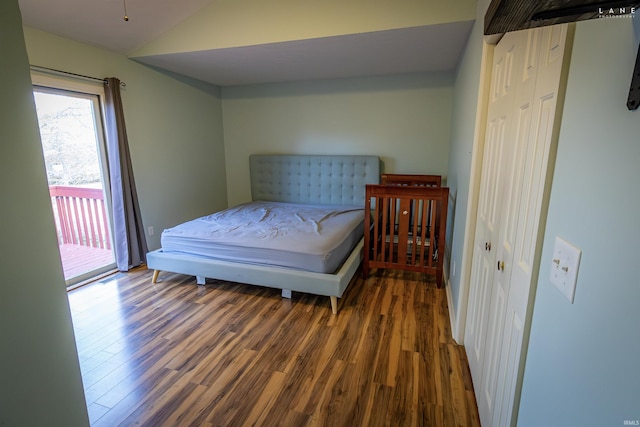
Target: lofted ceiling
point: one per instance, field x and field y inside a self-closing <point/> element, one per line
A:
<point x="239" y="42"/>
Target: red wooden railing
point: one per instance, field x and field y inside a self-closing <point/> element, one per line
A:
<point x="81" y="216"/>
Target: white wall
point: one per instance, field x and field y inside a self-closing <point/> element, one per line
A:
<point x="403" y="119"/>
<point x="40" y="382"/>
<point x="174" y="125"/>
<point x="582" y="365"/>
<point x="463" y="123"/>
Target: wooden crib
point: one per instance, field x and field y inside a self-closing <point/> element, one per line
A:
<point x="406" y="225"/>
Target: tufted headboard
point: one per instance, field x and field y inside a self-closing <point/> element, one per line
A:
<point x="327" y="180"/>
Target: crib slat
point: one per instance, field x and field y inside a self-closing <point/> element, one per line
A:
<point x="404" y="214"/>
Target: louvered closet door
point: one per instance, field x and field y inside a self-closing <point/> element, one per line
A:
<point x="530" y="135"/>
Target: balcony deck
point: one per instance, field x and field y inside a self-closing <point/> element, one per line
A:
<point x="78" y="259"/>
<point x="82" y="227"/>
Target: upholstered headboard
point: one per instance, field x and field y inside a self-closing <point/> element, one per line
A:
<point x="327" y="180"/>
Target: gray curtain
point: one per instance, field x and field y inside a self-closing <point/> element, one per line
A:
<point x="130" y="245"/>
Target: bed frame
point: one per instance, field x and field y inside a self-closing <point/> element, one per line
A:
<point x="331" y="180"/>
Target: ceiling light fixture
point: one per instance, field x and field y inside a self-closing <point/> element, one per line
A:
<point x="126" y="18"/>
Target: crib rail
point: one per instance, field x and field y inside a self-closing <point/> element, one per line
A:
<point x="405" y="228"/>
<point x="411" y="180"/>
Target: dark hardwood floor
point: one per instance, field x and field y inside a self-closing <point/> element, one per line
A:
<point x="224" y="354"/>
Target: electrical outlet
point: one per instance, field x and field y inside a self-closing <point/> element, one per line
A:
<point x="150" y="230"/>
<point x="564" y="267"/>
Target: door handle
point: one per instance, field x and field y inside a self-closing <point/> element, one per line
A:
<point x="487" y="246"/>
<point x="500" y="265"/>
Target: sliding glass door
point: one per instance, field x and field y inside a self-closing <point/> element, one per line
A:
<point x="72" y="135"/>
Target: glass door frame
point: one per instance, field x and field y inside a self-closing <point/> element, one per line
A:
<point x="93" y="91"/>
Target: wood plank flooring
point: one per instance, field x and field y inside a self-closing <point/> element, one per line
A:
<point x="225" y="354"/>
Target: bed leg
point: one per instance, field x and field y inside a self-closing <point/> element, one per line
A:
<point x="334" y="304"/>
<point x="286" y="293"/>
<point x="154" y="278"/>
<point x="200" y="280"/>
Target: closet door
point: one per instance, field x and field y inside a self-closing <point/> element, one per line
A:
<point x="526" y="216"/>
<point x="499" y="303"/>
<point x="495" y="166"/>
<point x="500" y="326"/>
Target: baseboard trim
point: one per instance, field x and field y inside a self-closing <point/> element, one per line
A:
<point x="452" y="316"/>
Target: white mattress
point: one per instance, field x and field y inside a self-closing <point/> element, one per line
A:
<point x="307" y="237"/>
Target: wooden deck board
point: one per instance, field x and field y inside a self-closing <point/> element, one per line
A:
<point x="77" y="259"/>
<point x="176" y="353"/>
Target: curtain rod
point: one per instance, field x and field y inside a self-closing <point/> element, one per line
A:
<point x="53" y="70"/>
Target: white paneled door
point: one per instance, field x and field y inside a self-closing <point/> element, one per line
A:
<point x="519" y="141"/>
<point x="502" y="95"/>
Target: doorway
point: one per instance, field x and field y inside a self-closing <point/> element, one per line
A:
<point x="72" y="137"/>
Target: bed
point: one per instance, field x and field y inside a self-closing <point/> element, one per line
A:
<point x="317" y="191"/>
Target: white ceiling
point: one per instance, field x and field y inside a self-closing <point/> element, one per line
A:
<point x="101" y="23"/>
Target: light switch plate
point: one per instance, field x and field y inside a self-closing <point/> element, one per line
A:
<point x="564" y="267"/>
